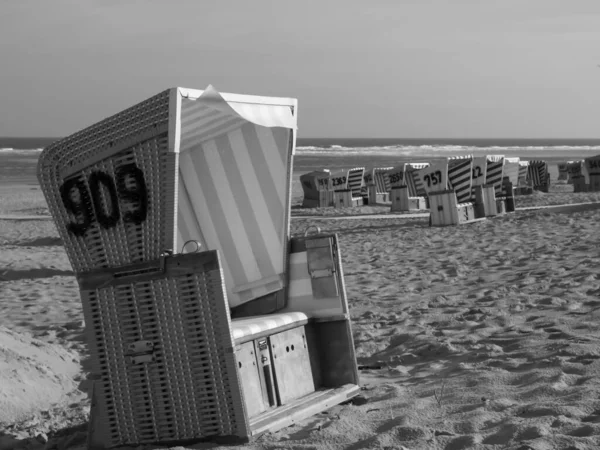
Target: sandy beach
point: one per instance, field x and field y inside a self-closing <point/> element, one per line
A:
<point x="479" y="336"/>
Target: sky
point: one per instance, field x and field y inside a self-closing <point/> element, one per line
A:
<point x="371" y="68"/>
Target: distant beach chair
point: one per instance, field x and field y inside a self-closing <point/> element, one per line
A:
<point x="578" y="176"/>
<point x="510" y="179"/>
<point x="592" y="165"/>
<point x="452" y="205"/>
<point x="523" y="184"/>
<point x="377" y="183"/>
<point x="408" y="194"/>
<point x="563" y="173"/>
<point x="488" y="185"/>
<point x="205" y="318"/>
<point x="347" y="186"/>
<point x="316" y="188"/>
<point x="538" y="175"/>
<point x="396" y="176"/>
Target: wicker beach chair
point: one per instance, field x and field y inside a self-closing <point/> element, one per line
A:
<point x="592" y="166"/>
<point x="538" y="175"/>
<point x="317" y="189"/>
<point x="347" y="185"/>
<point x="407" y="190"/>
<point x="378" y="186"/>
<point x="202" y="321"/>
<point x="452" y="205"/>
<point x="563" y="173"/>
<point x="578" y="176"/>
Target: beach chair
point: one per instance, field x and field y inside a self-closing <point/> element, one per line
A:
<point x="510" y="179"/>
<point x="347" y="185"/>
<point x="316" y="188"/>
<point x="524" y="186"/>
<point x="563" y="173"/>
<point x="592" y="166"/>
<point x="488" y="185"/>
<point x="538" y="175"/>
<point x="205" y="319"/>
<point x="578" y="176"/>
<point x="408" y="193"/>
<point x="377" y="184"/>
<point x="453" y="205"/>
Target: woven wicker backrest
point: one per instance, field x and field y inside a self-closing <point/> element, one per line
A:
<point x="592" y="164"/>
<point x="160" y="339"/>
<point x="111" y="187"/>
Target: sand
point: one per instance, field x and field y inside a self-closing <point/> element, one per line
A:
<point x="479" y="336"/>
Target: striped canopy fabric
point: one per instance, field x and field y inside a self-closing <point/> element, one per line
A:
<point x="460" y="177"/>
<point x="494" y="172"/>
<point x="414" y="183"/>
<point x="356" y="181"/>
<point x="479" y="170"/>
<point x="537" y="172"/>
<point x="234" y="178"/>
<point x="381" y="179"/>
<point x="523" y="173"/>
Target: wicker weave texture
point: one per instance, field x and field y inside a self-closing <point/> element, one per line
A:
<point x="137" y="138"/>
<point x="190" y="388"/>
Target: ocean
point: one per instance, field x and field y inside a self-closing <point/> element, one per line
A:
<point x="18" y="156"/>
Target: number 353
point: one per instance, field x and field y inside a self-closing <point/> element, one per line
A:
<point x="128" y="193"/>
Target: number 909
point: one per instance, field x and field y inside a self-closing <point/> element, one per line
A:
<point x="87" y="206"/>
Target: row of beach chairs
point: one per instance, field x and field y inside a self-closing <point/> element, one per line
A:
<point x="583" y="174"/>
<point x="475" y="186"/>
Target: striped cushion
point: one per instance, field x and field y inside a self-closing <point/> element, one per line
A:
<point x="248" y="326"/>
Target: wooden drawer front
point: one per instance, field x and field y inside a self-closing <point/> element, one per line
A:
<point x="291" y="363"/>
<point x="249" y="367"/>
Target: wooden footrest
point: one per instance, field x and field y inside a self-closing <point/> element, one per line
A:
<point x="302" y="408"/>
<point x="250" y="328"/>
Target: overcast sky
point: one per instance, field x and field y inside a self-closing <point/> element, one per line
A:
<point x="371" y="68"/>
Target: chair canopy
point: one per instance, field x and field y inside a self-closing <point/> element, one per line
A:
<point x="184" y="165"/>
<point x="413" y="181"/>
<point x="460" y="177"/>
<point x="494" y="172"/>
<point x="538" y="172"/>
<point x="523" y="173"/>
